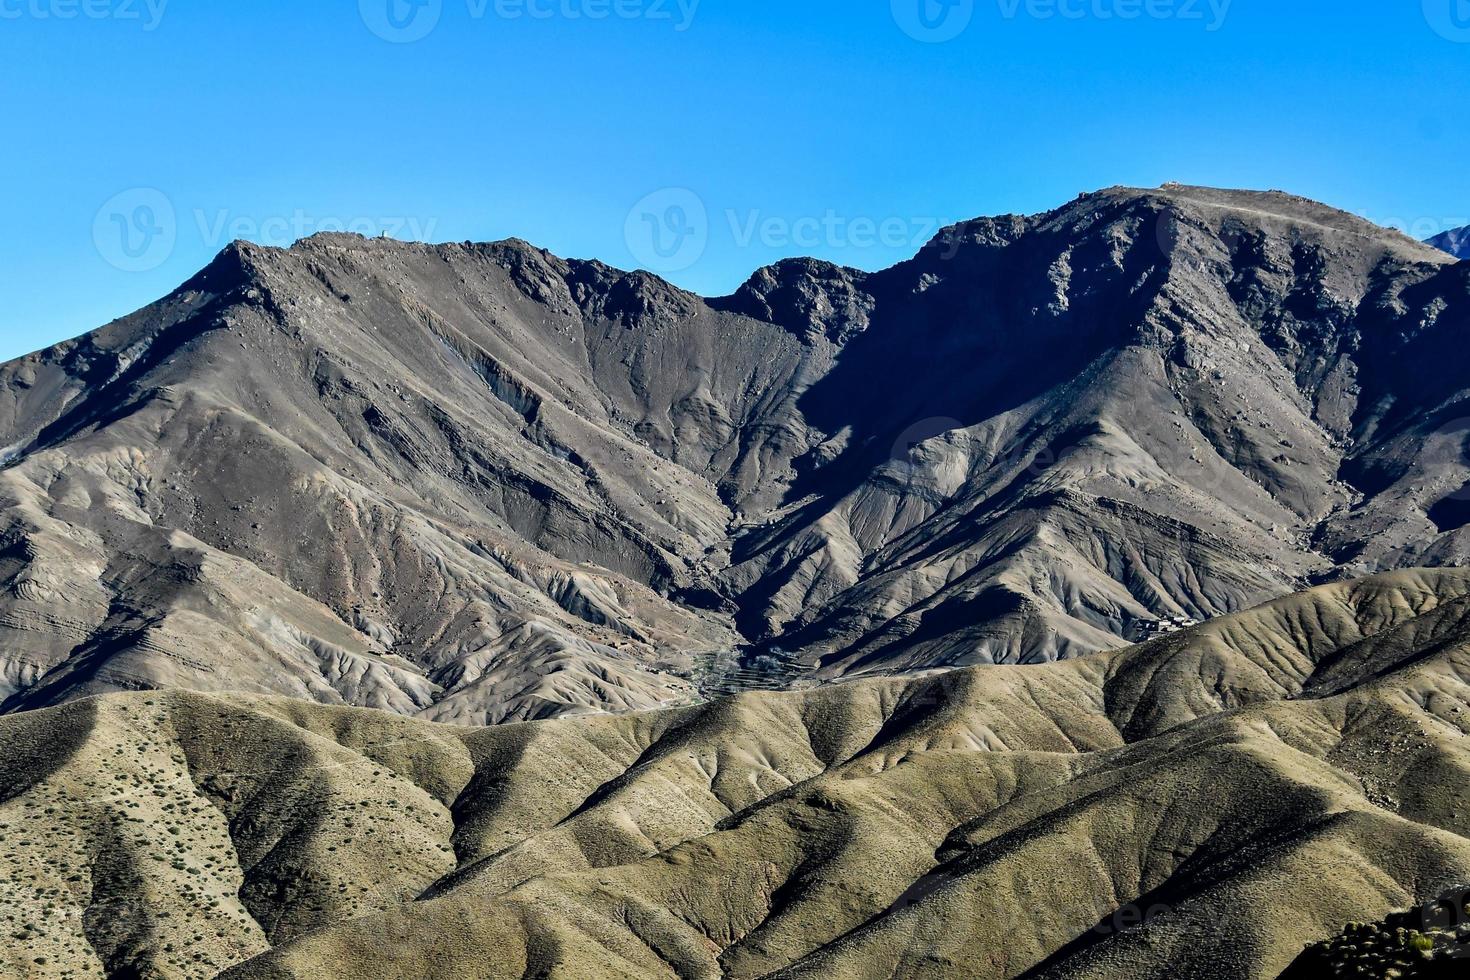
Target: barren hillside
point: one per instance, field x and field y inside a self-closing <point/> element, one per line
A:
<point x="1204" y="804"/>
<point x="474" y="483"/>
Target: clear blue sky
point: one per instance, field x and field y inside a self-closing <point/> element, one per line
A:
<point x="141" y="135"/>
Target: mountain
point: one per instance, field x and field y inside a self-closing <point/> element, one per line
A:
<point x="1456" y="242"/>
<point x="1208" y="803"/>
<point x="478" y="483"/>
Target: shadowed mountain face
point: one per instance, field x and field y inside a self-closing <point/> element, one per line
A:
<point x="1456" y="242"/>
<point x="477" y="482"/>
<point x="1206" y="804"/>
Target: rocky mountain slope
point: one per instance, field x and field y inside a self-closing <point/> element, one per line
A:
<point x="474" y="483"/>
<point x="1456" y="242"/>
<point x="1209" y="803"/>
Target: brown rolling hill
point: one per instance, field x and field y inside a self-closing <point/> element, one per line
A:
<point x="1206" y="804"/>
<point x="477" y="483"/>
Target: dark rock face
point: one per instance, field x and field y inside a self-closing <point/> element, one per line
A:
<point x="480" y="482"/>
<point x="815" y="300"/>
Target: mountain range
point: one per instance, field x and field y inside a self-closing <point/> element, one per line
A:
<point x="1083" y="597"/>
<point x="476" y="482"/>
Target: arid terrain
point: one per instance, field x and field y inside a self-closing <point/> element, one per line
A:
<point x="1083" y="597"/>
<point x="1206" y="804"/>
<point x="476" y="483"/>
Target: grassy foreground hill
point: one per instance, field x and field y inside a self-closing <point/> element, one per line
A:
<point x="1205" y="804"/>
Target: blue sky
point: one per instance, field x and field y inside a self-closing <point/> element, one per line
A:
<point x="701" y="138"/>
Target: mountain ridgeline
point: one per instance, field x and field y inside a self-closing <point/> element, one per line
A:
<point x="476" y="482"/>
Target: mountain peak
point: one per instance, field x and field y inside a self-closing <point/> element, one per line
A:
<point x="1456" y="242"/>
<point x="812" y="298"/>
<point x="1279" y="210"/>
